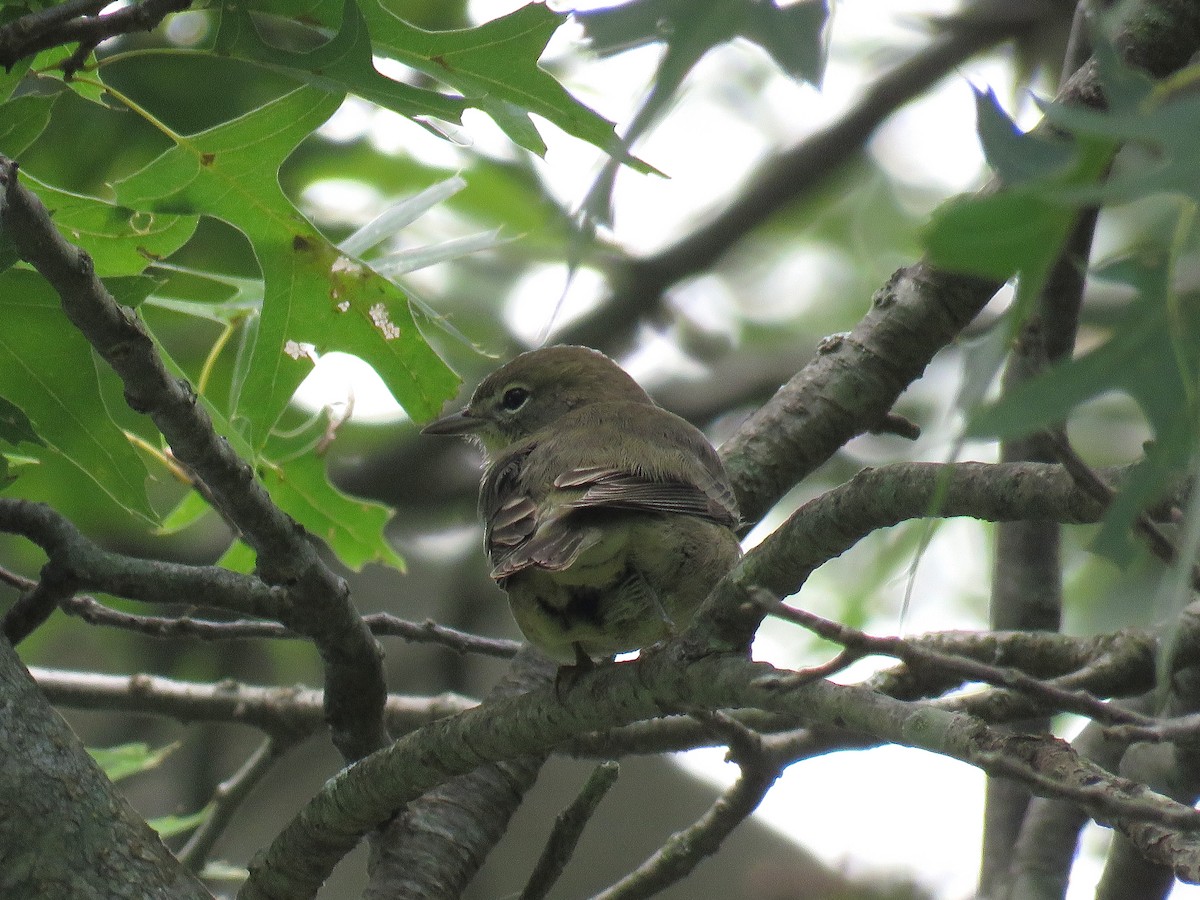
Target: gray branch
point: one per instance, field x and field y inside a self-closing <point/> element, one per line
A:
<point x="318" y="600"/>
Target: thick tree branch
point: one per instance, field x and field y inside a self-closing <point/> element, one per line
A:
<point x="1109" y="665"/>
<point x="78" y="21"/>
<point x="830" y="524"/>
<point x="66" y="832"/>
<point x="360" y="797"/>
<point x="435" y="845"/>
<point x="1027" y="579"/>
<point x="75" y="563"/>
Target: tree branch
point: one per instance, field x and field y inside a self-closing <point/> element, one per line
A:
<point x="227" y="798"/>
<point x="186" y="626"/>
<point x="963" y="668"/>
<point x="761" y="767"/>
<point x="78" y="20"/>
<point x="830" y="524"/>
<point x="358" y="798"/>
<point x="282" y="712"/>
<point x="784" y="179"/>
<point x="65" y="830"/>
<point x="75" y="563"/>
<point x="568" y="828"/>
<point x="318" y="601"/>
<point x="437" y="842"/>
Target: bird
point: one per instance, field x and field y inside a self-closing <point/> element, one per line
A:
<point x="607" y="519"/>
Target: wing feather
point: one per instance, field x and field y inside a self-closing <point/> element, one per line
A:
<point x="533" y="497"/>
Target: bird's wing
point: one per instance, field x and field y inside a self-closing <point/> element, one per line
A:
<point x="533" y="498"/>
<point x="681" y="474"/>
<point x="509" y="512"/>
<point x="517" y="531"/>
<point x="704" y="496"/>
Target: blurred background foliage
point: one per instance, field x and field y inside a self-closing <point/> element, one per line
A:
<point x="712" y="95"/>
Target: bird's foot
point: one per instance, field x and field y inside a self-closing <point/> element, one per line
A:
<point x="568" y="676"/>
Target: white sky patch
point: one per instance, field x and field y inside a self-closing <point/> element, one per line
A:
<point x="350" y="121"/>
<point x="341" y="201"/>
<point x="865" y="811"/>
<point x="532" y="304"/>
<point x="339" y="378"/>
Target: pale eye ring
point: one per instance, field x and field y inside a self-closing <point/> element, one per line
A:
<point x="514" y="398"/>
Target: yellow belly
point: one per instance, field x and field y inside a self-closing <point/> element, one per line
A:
<point x="638" y="584"/>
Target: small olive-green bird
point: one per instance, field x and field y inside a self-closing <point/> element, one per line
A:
<point x="607" y="519"/>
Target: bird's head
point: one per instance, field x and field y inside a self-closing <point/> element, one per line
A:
<point x="533" y="391"/>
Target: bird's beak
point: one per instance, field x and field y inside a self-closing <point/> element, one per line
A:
<point x="461" y="422"/>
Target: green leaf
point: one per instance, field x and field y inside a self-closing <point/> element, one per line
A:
<point x="792" y="34"/>
<point x="353" y="528"/>
<point x="1161" y="118"/>
<point x="45" y="368"/>
<point x="997" y="235"/>
<point x="21" y="121"/>
<point x="315" y="297"/>
<point x="1153" y="355"/>
<point x="494" y="66"/>
<point x="48" y="66"/>
<point x="1016" y="231"/>
<point x="169" y="826"/>
<point x="15" y="425"/>
<point x="242" y="295"/>
<point x="239" y="557"/>
<point x="341" y="64"/>
<point x="1012" y="154"/>
<point x="10" y="78"/>
<point x="128" y="759"/>
<point x="188" y="511"/>
<point x="120" y="240"/>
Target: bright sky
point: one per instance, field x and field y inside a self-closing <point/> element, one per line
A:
<point x="896" y="809"/>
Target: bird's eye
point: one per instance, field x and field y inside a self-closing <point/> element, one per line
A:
<point x="514" y="398"/>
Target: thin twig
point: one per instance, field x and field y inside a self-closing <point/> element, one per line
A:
<point x="568" y="828"/>
<point x="381" y="625"/>
<point x="1183" y="729"/>
<point x="1089" y="480"/>
<point x="227" y="798"/>
<point x="761" y="766"/>
<point x="915" y="655"/>
<point x="15" y="579"/>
